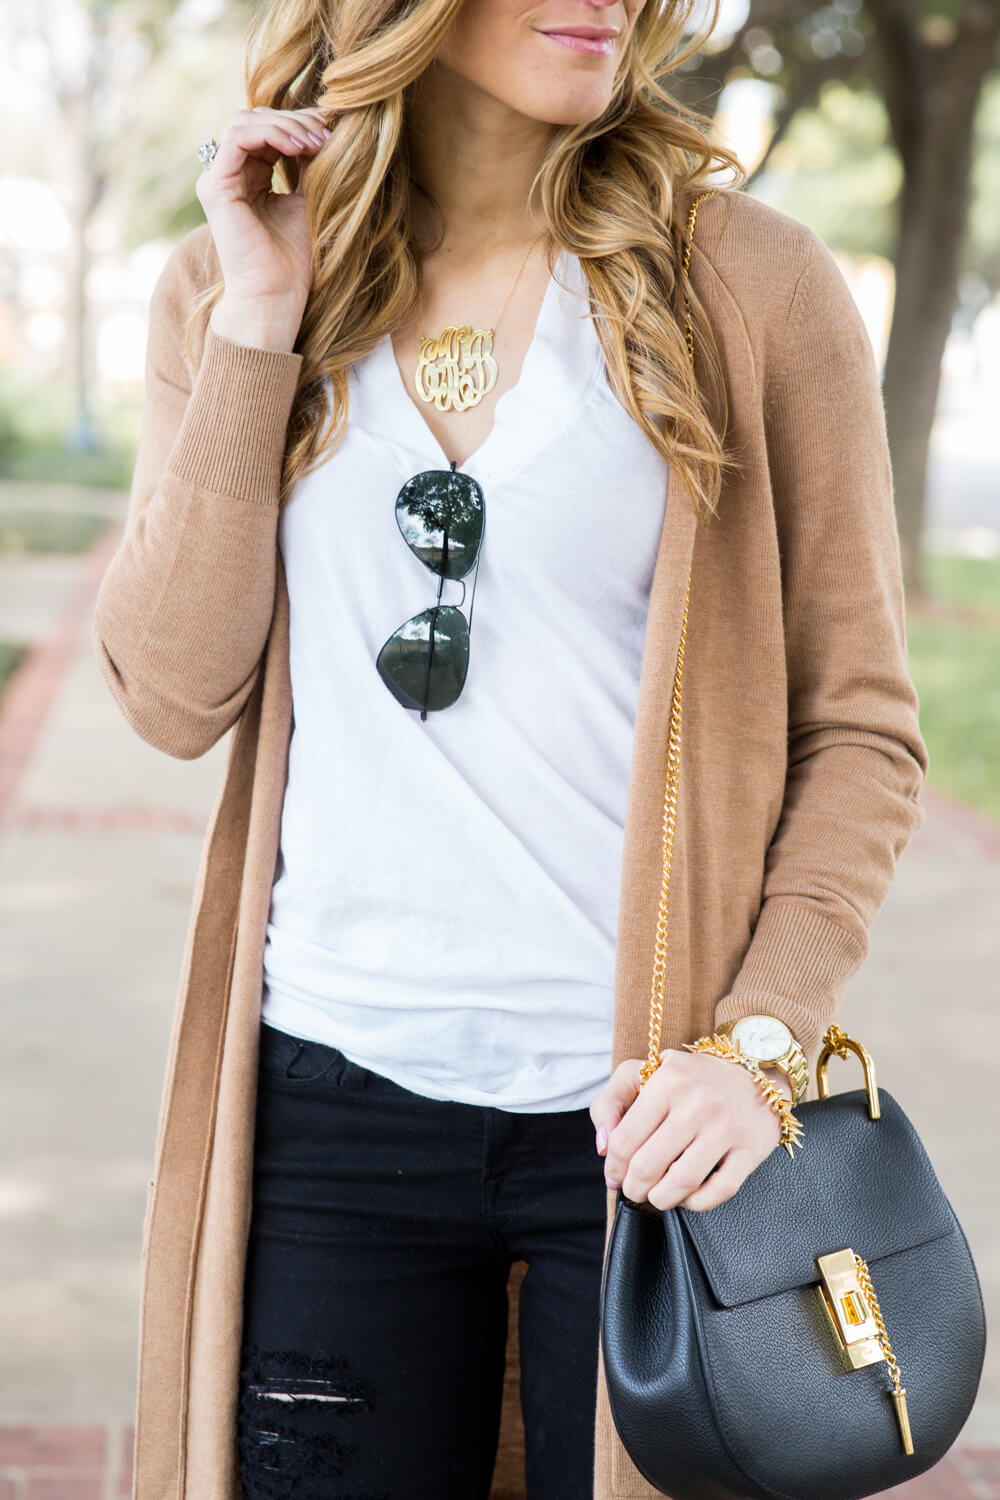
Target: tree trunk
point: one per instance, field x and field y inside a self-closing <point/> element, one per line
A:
<point x="77" y="361"/>
<point x="85" y="191"/>
<point x="932" y="101"/>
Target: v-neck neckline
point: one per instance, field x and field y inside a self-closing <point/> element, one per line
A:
<point x="518" y="404"/>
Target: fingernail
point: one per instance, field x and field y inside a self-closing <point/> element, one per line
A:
<point x="316" y="138"/>
<point x="326" y="131"/>
<point x="611" y="1183"/>
<point x="601" y="1137"/>
<point x="296" y="141"/>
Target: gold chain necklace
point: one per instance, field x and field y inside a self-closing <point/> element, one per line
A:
<point x="457" y="369"/>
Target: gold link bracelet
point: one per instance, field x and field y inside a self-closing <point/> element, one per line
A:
<point x="718" y="1045"/>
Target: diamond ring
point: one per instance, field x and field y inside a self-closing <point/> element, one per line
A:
<point x="206" y="152"/>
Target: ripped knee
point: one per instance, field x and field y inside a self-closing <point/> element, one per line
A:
<point x="294" y="1423"/>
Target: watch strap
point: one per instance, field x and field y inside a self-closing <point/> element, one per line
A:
<point x="793" y="1063"/>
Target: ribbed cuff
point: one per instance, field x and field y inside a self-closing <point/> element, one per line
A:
<point x="233" y="435"/>
<point x="795" y="968"/>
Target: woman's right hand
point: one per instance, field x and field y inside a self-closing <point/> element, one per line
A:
<point x="261" y="236"/>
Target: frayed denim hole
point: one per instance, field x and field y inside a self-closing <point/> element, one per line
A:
<point x="292" y="1430"/>
<point x="302" y="1373"/>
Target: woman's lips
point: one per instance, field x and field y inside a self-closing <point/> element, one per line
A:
<point x="597" y="45"/>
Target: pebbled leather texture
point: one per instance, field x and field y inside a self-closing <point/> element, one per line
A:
<point x="747" y="1252"/>
<point x="723" y="1376"/>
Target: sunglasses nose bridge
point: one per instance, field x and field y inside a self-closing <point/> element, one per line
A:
<point x="460" y="583"/>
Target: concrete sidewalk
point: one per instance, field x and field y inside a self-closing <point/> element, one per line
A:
<point x="99" y="842"/>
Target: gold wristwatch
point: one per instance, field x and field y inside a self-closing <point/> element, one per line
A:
<point x="771" y="1045"/>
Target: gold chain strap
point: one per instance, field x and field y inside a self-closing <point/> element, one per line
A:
<point x="653" y="1059"/>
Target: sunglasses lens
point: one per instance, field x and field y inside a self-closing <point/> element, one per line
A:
<point x="424" y="663"/>
<point x="440" y="514"/>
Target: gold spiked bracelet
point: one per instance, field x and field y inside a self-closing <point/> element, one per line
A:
<point x="721" y="1046"/>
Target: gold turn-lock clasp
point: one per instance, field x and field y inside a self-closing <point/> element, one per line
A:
<point x="851" y="1321"/>
<point x="845" y="1288"/>
<point x="836" y="1041"/>
<point x="852" y="1310"/>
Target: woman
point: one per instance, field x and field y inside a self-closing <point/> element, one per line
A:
<point x="405" y="1058"/>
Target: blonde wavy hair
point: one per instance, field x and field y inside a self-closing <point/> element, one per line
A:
<point x="606" y="190"/>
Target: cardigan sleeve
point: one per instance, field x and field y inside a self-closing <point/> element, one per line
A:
<point x="185" y="605"/>
<point x="856" y="758"/>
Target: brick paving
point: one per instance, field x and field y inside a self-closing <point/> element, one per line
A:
<point x="66" y="1463"/>
<point x="132" y="818"/>
<point x="95" y="1463"/>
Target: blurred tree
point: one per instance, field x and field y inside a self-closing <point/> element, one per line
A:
<point x="113" y="78"/>
<point x="76" y="53"/>
<point x="837" y="169"/>
<point x="933" y="75"/>
<point x="983" y="247"/>
<point x="187" y="89"/>
<point x="929" y="61"/>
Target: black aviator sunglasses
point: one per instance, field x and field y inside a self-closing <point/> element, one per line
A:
<point x="442" y="517"/>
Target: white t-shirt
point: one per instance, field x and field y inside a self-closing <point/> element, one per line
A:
<point x="445" y="901"/>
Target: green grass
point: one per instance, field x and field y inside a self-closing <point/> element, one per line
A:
<point x="54" y="463"/>
<point x="24" y="530"/>
<point x="964" y="580"/>
<point x="955" y="664"/>
<point x="38" y="418"/>
<point x="10" y="655"/>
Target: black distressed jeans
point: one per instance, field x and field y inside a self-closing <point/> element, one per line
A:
<point x="383" y="1227"/>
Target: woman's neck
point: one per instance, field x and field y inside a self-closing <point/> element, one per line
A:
<point x="476" y="158"/>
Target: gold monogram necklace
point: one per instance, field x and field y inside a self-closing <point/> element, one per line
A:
<point x="457" y="369"/>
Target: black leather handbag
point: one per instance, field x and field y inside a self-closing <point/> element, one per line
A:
<point x="755" y="1350"/>
<point x="819" y="1335"/>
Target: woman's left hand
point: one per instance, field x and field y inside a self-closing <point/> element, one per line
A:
<point x="691" y="1135"/>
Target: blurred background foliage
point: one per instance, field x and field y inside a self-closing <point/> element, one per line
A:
<point x="876" y="122"/>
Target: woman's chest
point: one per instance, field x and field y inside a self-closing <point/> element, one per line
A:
<point x="455" y="369"/>
<point x="573" y="508"/>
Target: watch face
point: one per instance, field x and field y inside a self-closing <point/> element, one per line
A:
<point x="762" y="1037"/>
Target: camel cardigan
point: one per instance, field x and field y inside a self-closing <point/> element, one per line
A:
<point x="801" y="766"/>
